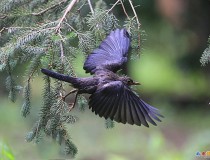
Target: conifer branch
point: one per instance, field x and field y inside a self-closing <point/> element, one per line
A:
<point x="135" y="15"/>
<point x="3" y="16"/>
<point x="68" y="9"/>
<point x="72" y="28"/>
<point x="2" y="30"/>
<point x="124" y="10"/>
<point x="138" y="23"/>
<point x="47" y="9"/>
<point x="91" y="7"/>
<point x="113" y="6"/>
<point x="62" y="51"/>
<point x="70" y="67"/>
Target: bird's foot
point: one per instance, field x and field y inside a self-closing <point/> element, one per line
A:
<point x="72" y="91"/>
<point x="72" y="105"/>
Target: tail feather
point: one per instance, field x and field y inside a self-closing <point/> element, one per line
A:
<point x="59" y="76"/>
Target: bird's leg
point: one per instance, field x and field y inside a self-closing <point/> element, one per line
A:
<point x="72" y="105"/>
<point x="72" y="91"/>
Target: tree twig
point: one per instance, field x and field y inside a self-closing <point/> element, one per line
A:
<point x="138" y="23"/>
<point x="113" y="6"/>
<point x="2" y="30"/>
<point x="134" y="12"/>
<point x="3" y="16"/>
<point x="47" y="9"/>
<point x="91" y="7"/>
<point x="71" y="28"/>
<point x="62" y="51"/>
<point x="68" y="9"/>
<point x="123" y="7"/>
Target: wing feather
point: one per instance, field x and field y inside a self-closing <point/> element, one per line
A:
<point x="151" y="110"/>
<point x="143" y="114"/>
<point x="123" y="111"/>
<point x="117" y="116"/>
<point x="109" y="108"/>
<point x="115" y="107"/>
<point x="118" y="102"/>
<point x="111" y="54"/>
<point x="129" y="116"/>
<point x="140" y="115"/>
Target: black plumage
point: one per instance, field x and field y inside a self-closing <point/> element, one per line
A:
<point x="111" y="95"/>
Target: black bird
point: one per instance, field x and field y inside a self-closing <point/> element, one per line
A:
<point x="111" y="95"/>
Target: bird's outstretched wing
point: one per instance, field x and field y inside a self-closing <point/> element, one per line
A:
<point x="111" y="54"/>
<point x="118" y="102"/>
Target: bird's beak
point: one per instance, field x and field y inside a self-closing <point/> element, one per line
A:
<point x="136" y="83"/>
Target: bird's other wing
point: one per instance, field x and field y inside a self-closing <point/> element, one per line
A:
<point x="111" y="54"/>
<point x="118" y="102"/>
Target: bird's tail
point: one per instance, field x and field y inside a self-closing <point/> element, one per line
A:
<point x="59" y="76"/>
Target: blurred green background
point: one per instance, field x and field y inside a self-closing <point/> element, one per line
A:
<point x="172" y="80"/>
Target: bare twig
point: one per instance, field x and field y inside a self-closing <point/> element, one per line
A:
<point x="138" y="23"/>
<point x="81" y="6"/>
<point x="2" y="30"/>
<point x="30" y="76"/>
<point x="37" y="128"/>
<point x="91" y="7"/>
<point x="123" y="7"/>
<point x="47" y="9"/>
<point x="3" y="16"/>
<point x="68" y="9"/>
<point x="62" y="51"/>
<point x="113" y="6"/>
<point x="71" y="67"/>
<point x="71" y="28"/>
<point x="134" y="12"/>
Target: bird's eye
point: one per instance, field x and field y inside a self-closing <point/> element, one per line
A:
<point x="130" y="81"/>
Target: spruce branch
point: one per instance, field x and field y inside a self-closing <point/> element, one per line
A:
<point x="10" y="85"/>
<point x="4" y="28"/>
<point x="113" y="6"/>
<point x="137" y="20"/>
<point x="3" y="16"/>
<point x="82" y="103"/>
<point x="69" y="67"/>
<point x="205" y="58"/>
<point x="109" y="123"/>
<point x="72" y="28"/>
<point x="34" y="66"/>
<point x="61" y="51"/>
<point x="124" y="10"/>
<point x="31" y="35"/>
<point x="91" y="7"/>
<point x="25" y="110"/>
<point x="47" y="9"/>
<point x="68" y="9"/>
<point x="135" y="15"/>
<point x="10" y="82"/>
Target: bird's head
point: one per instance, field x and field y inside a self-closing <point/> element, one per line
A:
<point x="128" y="81"/>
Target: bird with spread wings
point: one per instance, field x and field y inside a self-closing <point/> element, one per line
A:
<point x="111" y="95"/>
